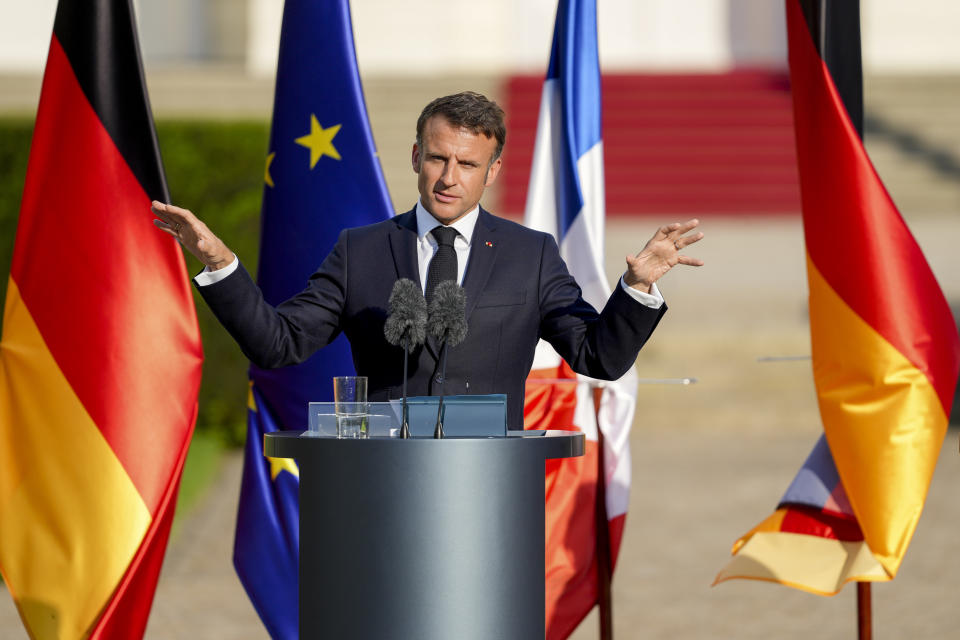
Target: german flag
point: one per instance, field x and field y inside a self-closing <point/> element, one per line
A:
<point x="100" y="353"/>
<point x="885" y="346"/>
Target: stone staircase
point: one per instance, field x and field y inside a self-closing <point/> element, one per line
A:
<point x="723" y="143"/>
<point x="913" y="138"/>
<point x="912" y="132"/>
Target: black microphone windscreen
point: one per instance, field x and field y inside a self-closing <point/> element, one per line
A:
<point x="447" y="320"/>
<point x="407" y="322"/>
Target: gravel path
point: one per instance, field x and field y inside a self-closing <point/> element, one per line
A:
<point x="694" y="493"/>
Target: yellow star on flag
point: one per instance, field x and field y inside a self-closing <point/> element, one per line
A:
<point x="283" y="464"/>
<point x="266" y="170"/>
<point x="319" y="141"/>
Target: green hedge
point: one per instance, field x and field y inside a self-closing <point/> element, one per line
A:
<point x="216" y="170"/>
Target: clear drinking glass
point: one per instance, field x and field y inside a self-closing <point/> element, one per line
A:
<point x="350" y="405"/>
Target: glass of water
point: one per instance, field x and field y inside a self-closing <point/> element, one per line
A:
<point x="350" y="405"/>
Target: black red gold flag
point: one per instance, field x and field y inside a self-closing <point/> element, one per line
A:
<point x="884" y="344"/>
<point x="100" y="355"/>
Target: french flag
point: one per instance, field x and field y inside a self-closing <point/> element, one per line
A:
<point x="566" y="199"/>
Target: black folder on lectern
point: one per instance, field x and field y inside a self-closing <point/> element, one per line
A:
<point x="463" y="416"/>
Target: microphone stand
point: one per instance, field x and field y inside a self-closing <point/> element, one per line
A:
<point x="438" y="431"/>
<point x="405" y="427"/>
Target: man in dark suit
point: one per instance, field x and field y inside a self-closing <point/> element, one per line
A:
<point x="517" y="287"/>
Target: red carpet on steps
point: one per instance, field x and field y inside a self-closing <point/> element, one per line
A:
<point x="677" y="144"/>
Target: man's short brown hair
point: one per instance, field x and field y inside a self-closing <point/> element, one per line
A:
<point x="469" y="110"/>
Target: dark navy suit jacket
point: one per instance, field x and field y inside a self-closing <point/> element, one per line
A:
<point x="518" y="290"/>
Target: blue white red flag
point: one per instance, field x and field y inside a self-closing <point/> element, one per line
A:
<point x="322" y="175"/>
<point x="566" y="199"/>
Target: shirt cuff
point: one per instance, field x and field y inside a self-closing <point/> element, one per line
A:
<point x="208" y="277"/>
<point x="653" y="299"/>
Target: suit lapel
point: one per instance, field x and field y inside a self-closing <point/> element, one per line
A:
<point x="403" y="245"/>
<point x="483" y="252"/>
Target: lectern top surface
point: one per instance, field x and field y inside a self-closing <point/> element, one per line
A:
<point x="547" y="444"/>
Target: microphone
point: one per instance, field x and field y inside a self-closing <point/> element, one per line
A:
<point x="447" y="323"/>
<point x="406" y="327"/>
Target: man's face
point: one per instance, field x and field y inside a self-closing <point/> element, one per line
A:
<point x="453" y="168"/>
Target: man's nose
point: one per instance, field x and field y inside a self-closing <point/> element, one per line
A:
<point x="449" y="175"/>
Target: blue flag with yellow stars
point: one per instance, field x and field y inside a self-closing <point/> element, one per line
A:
<point x="322" y="175"/>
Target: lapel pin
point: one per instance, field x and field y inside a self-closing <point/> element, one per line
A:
<point x="489" y="244"/>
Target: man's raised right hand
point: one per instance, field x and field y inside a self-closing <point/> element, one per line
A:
<point x="193" y="234"/>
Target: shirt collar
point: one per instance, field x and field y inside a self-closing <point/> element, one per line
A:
<point x="465" y="225"/>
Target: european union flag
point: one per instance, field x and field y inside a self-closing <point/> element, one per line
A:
<point x="266" y="551"/>
<point x="321" y="176"/>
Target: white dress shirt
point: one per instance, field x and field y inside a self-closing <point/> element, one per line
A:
<point x="427" y="245"/>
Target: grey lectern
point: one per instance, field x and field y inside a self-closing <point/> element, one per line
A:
<point x="422" y="539"/>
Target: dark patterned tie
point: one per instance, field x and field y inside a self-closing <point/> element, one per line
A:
<point x="443" y="266"/>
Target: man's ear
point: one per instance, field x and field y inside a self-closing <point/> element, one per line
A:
<point x="493" y="171"/>
<point x="415" y="158"/>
